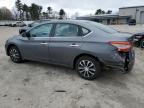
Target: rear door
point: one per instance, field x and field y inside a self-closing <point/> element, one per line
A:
<point x="66" y="43"/>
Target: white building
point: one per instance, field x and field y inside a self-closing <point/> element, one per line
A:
<point x="123" y="16"/>
<point x="136" y="12"/>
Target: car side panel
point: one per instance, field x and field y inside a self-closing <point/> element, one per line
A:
<point x="105" y="53"/>
<point x="33" y="49"/>
<point x="64" y="50"/>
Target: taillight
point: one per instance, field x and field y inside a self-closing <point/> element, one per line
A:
<point x="122" y="46"/>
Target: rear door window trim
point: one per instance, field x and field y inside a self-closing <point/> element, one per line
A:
<point x="79" y="31"/>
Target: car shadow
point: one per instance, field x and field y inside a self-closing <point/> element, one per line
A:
<point x="108" y="76"/>
<point x="107" y="73"/>
<point x="51" y="67"/>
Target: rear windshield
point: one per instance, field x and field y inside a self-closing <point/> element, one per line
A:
<point x="103" y="27"/>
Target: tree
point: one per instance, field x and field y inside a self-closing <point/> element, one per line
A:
<point x="99" y="11"/>
<point x="44" y="15"/>
<point x="15" y="13"/>
<point x="61" y="14"/>
<point x="5" y="14"/>
<point x="19" y="7"/>
<point x="26" y="11"/>
<point x="35" y="11"/>
<point x="109" y="12"/>
<point x="49" y="10"/>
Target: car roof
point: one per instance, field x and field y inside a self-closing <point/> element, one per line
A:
<point x="84" y="23"/>
<point x="69" y="21"/>
<point x="91" y="25"/>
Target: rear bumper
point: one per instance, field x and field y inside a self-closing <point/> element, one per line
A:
<point x="123" y="62"/>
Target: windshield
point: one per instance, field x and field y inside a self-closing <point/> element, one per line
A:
<point x="103" y="27"/>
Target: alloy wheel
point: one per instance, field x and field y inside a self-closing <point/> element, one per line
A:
<point x="14" y="54"/>
<point x="86" y="68"/>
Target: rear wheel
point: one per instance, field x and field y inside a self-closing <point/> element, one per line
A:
<point x="15" y="54"/>
<point x="88" y="67"/>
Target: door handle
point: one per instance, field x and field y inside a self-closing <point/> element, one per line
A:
<point x="74" y="45"/>
<point x="43" y="43"/>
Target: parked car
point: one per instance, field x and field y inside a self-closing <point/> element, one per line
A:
<point x="132" y="22"/>
<point x="5" y="23"/>
<point x="18" y="24"/>
<point x="139" y="39"/>
<point x="82" y="45"/>
<point x="35" y="23"/>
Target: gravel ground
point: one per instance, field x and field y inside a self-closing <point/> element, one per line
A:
<point x="38" y="85"/>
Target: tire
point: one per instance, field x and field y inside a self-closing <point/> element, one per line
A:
<point x="142" y="43"/>
<point x="14" y="54"/>
<point x="88" y="67"/>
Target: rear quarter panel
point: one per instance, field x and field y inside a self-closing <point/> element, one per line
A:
<point x="97" y="44"/>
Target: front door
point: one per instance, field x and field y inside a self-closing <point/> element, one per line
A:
<point x="35" y="46"/>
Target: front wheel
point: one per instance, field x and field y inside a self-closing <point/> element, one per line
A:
<point x="88" y="67"/>
<point x="15" y="54"/>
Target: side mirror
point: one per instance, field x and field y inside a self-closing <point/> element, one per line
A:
<point x="25" y="34"/>
<point x="22" y="31"/>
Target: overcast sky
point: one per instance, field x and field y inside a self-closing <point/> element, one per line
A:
<point x="83" y="7"/>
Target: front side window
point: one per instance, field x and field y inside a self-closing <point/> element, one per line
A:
<point x="41" y="31"/>
<point x="66" y="30"/>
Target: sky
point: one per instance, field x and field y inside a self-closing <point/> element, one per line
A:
<point x="83" y="7"/>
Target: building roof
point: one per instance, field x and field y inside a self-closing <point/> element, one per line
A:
<point x="131" y="7"/>
<point x="104" y="16"/>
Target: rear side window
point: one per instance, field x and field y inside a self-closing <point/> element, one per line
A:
<point x="102" y="27"/>
<point x="85" y="31"/>
<point x="66" y="30"/>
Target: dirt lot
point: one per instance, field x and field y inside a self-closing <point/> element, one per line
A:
<point x="38" y="85"/>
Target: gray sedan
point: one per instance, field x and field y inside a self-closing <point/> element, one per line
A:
<point x="82" y="45"/>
